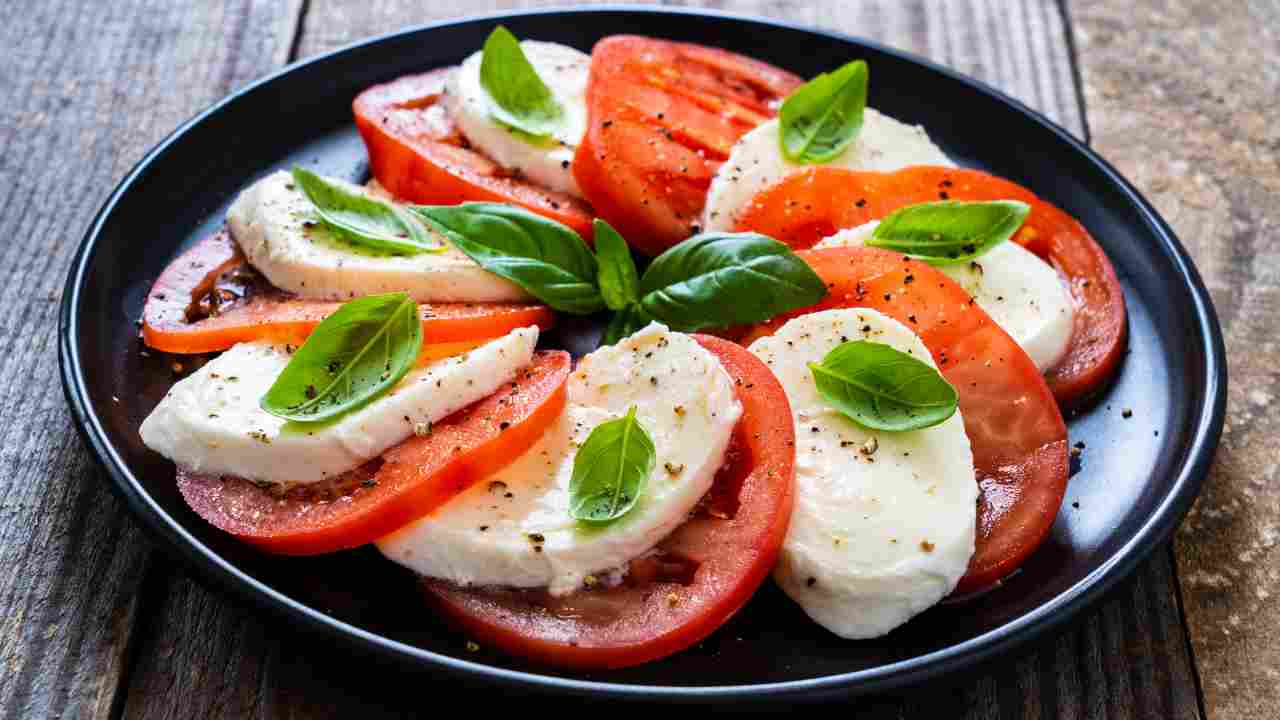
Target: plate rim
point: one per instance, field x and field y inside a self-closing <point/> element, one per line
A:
<point x="1157" y="528"/>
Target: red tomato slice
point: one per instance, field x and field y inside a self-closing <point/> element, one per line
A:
<point x="804" y="208"/>
<point x="409" y="481"/>
<point x="213" y="281"/>
<point x="705" y="571"/>
<point x="1014" y="426"/>
<point x="418" y="155"/>
<point x="662" y="116"/>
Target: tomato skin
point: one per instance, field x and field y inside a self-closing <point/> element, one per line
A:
<point x="418" y="155"/>
<point x="634" y="624"/>
<point x="802" y="209"/>
<point x="281" y="318"/>
<point x="662" y="116"/>
<point x="1017" y="433"/>
<point x="413" y="479"/>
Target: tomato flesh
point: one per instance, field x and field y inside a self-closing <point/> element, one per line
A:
<point x="418" y="155"/>
<point x="804" y="208"/>
<point x="407" y="482"/>
<point x="661" y="117"/>
<point x="699" y="577"/>
<point x="1018" y="437"/>
<point x="209" y="299"/>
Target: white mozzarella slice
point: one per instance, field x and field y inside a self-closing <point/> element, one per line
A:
<point x="513" y="529"/>
<point x="883" y="525"/>
<point x="211" y="421"/>
<point x="546" y="163"/>
<point x="275" y="225"/>
<point x="756" y="162"/>
<point x="1022" y="293"/>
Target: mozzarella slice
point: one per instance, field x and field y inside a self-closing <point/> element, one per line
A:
<point x="546" y="163"/>
<point x="756" y="162"/>
<point x="883" y="525"/>
<point x="1022" y="293"/>
<point x="274" y="224"/>
<point x="211" y="421"/>
<point x="514" y="529"/>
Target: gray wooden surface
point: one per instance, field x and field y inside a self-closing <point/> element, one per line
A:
<point x="96" y="623"/>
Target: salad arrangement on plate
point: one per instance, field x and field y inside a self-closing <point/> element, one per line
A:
<point x="829" y="355"/>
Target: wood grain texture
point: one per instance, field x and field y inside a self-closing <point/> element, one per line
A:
<point x="206" y="656"/>
<point x="88" y="89"/>
<point x="1191" y="120"/>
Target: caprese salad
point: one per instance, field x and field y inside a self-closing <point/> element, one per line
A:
<point x="840" y="360"/>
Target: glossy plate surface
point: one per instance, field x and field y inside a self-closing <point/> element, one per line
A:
<point x="1137" y="476"/>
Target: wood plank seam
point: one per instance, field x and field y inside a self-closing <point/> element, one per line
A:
<point x="299" y="29"/>
<point x="1073" y="56"/>
<point x="1186" y="631"/>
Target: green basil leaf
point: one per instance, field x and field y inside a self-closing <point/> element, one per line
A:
<point x="881" y="388"/>
<point x="823" y="116"/>
<point x="624" y="323"/>
<point x="542" y="256"/>
<point x="522" y="101"/>
<point x="950" y="231"/>
<point x="722" y="279"/>
<point x="352" y="357"/>
<point x="610" y="470"/>
<point x="619" y="282"/>
<point x="367" y="222"/>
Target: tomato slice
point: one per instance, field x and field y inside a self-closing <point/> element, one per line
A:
<point x="1017" y="433"/>
<point x="209" y="299"/>
<point x="409" y="481"/>
<point x="661" y="117"/>
<point x="802" y="209"/>
<point x="418" y="155"/>
<point x="701" y="575"/>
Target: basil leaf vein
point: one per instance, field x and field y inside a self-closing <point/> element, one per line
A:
<point x="521" y="99"/>
<point x="547" y="259"/>
<point x="950" y="231"/>
<point x="881" y="388"/>
<point x="610" y="470"/>
<point x="353" y="356"/>
<point x="619" y="281"/>
<point x="723" y="279"/>
<point x="823" y="116"/>
<point x="360" y="220"/>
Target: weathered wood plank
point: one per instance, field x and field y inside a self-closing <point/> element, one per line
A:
<point x="88" y="88"/>
<point x="1182" y="98"/>
<point x="1126" y="660"/>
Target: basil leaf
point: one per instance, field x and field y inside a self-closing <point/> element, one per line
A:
<point x="610" y="470"/>
<point x="364" y="221"/>
<point x="624" y="323"/>
<point x="522" y="101"/>
<point x="823" y="116"/>
<point x="950" y="231"/>
<point x="619" y="282"/>
<point x="721" y="279"/>
<point x="881" y="388"/>
<point x="542" y="256"/>
<point x="352" y="357"/>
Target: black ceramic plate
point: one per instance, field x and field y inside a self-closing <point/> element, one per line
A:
<point x="1137" y="478"/>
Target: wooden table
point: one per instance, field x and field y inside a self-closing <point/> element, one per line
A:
<point x="97" y="623"/>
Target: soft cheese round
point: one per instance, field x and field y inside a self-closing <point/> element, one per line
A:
<point x="1022" y="293"/>
<point x="514" y="529"/>
<point x="547" y="163"/>
<point x="275" y="225"/>
<point x="211" y="421"/>
<point x="756" y="162"/>
<point x="884" y="523"/>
